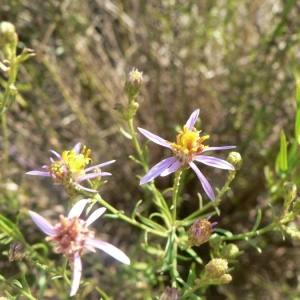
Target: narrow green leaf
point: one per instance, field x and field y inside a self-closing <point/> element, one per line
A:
<point x="151" y="223"/>
<point x="135" y="208"/>
<point x="17" y="283"/>
<point x="281" y="162"/>
<point x="258" y="219"/>
<point x="9" y="296"/>
<point x="125" y="133"/>
<point x="10" y="229"/>
<point x="25" y="284"/>
<point x="253" y="245"/>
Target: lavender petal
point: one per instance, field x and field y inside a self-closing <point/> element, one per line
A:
<point x="38" y="173"/>
<point x="158" y="169"/>
<point x="42" y="223"/>
<point x="192" y="119"/>
<point x="95" y="215"/>
<point x="214" y="162"/>
<point x="77" y="148"/>
<point x="205" y="184"/>
<point x="173" y="168"/>
<point x="111" y="250"/>
<point x="78" y="208"/>
<point x="154" y="138"/>
<point x="76" y="274"/>
<point x="99" y="166"/>
<point x="218" y="148"/>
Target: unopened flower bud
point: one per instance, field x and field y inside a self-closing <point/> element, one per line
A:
<point x="8" y="38"/>
<point x="133" y="83"/>
<point x="289" y="193"/>
<point x="170" y="294"/>
<point x="7" y="33"/>
<point x="216" y="268"/>
<point x="226" y="278"/>
<point x="235" y="159"/>
<point x="16" y="251"/>
<point x="200" y="232"/>
<point x="230" y="251"/>
<point x="215" y="241"/>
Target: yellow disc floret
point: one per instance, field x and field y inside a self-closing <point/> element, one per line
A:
<point x="77" y="162"/>
<point x="188" y="144"/>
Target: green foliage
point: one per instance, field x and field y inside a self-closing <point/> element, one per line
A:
<point x="236" y="61"/>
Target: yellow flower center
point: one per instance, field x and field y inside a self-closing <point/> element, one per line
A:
<point x="188" y="144"/>
<point x="77" y="162"/>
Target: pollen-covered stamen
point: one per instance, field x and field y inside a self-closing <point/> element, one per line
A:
<point x="58" y="171"/>
<point x="77" y="162"/>
<point x="71" y="236"/>
<point x="189" y="144"/>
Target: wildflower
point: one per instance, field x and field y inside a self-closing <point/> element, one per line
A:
<point x="70" y="168"/>
<point x="200" y="232"/>
<point x="72" y="236"/>
<point x="16" y="251"/>
<point x="170" y="293"/>
<point x="133" y="83"/>
<point x="188" y="147"/>
<point x="216" y="268"/>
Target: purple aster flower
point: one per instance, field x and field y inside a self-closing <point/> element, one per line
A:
<point x="72" y="236"/>
<point x="200" y="232"/>
<point x="188" y="147"/>
<point x="70" y="168"/>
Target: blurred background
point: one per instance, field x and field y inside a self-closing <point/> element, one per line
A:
<point x="235" y="60"/>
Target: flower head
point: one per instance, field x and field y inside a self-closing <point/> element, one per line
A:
<point x="133" y="83"/>
<point x="16" y="251"/>
<point x="200" y="232"/>
<point x="71" y="236"/>
<point x="187" y="149"/>
<point x="70" y="168"/>
<point x="170" y="293"/>
<point x="216" y="268"/>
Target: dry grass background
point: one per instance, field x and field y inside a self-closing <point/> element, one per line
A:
<point x="232" y="59"/>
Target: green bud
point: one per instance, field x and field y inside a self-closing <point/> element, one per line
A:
<point x="133" y="83"/>
<point x="230" y="251"/>
<point x="226" y="278"/>
<point x="216" y="268"/>
<point x="215" y="241"/>
<point x="7" y="34"/>
<point x="8" y="39"/>
<point x="235" y="159"/>
<point x="289" y="193"/>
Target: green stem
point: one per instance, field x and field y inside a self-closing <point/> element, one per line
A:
<point x="173" y="258"/>
<point x="121" y="216"/>
<point x="11" y="80"/>
<point x="175" y="195"/>
<point x="5" y="146"/>
<point x="136" y="142"/>
<point x="64" y="269"/>
<point x="225" y="187"/>
<point x="250" y="234"/>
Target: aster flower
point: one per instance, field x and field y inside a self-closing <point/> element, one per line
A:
<point x="188" y="147"/>
<point x="200" y="232"/>
<point x="70" y="168"/>
<point x="72" y="236"/>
